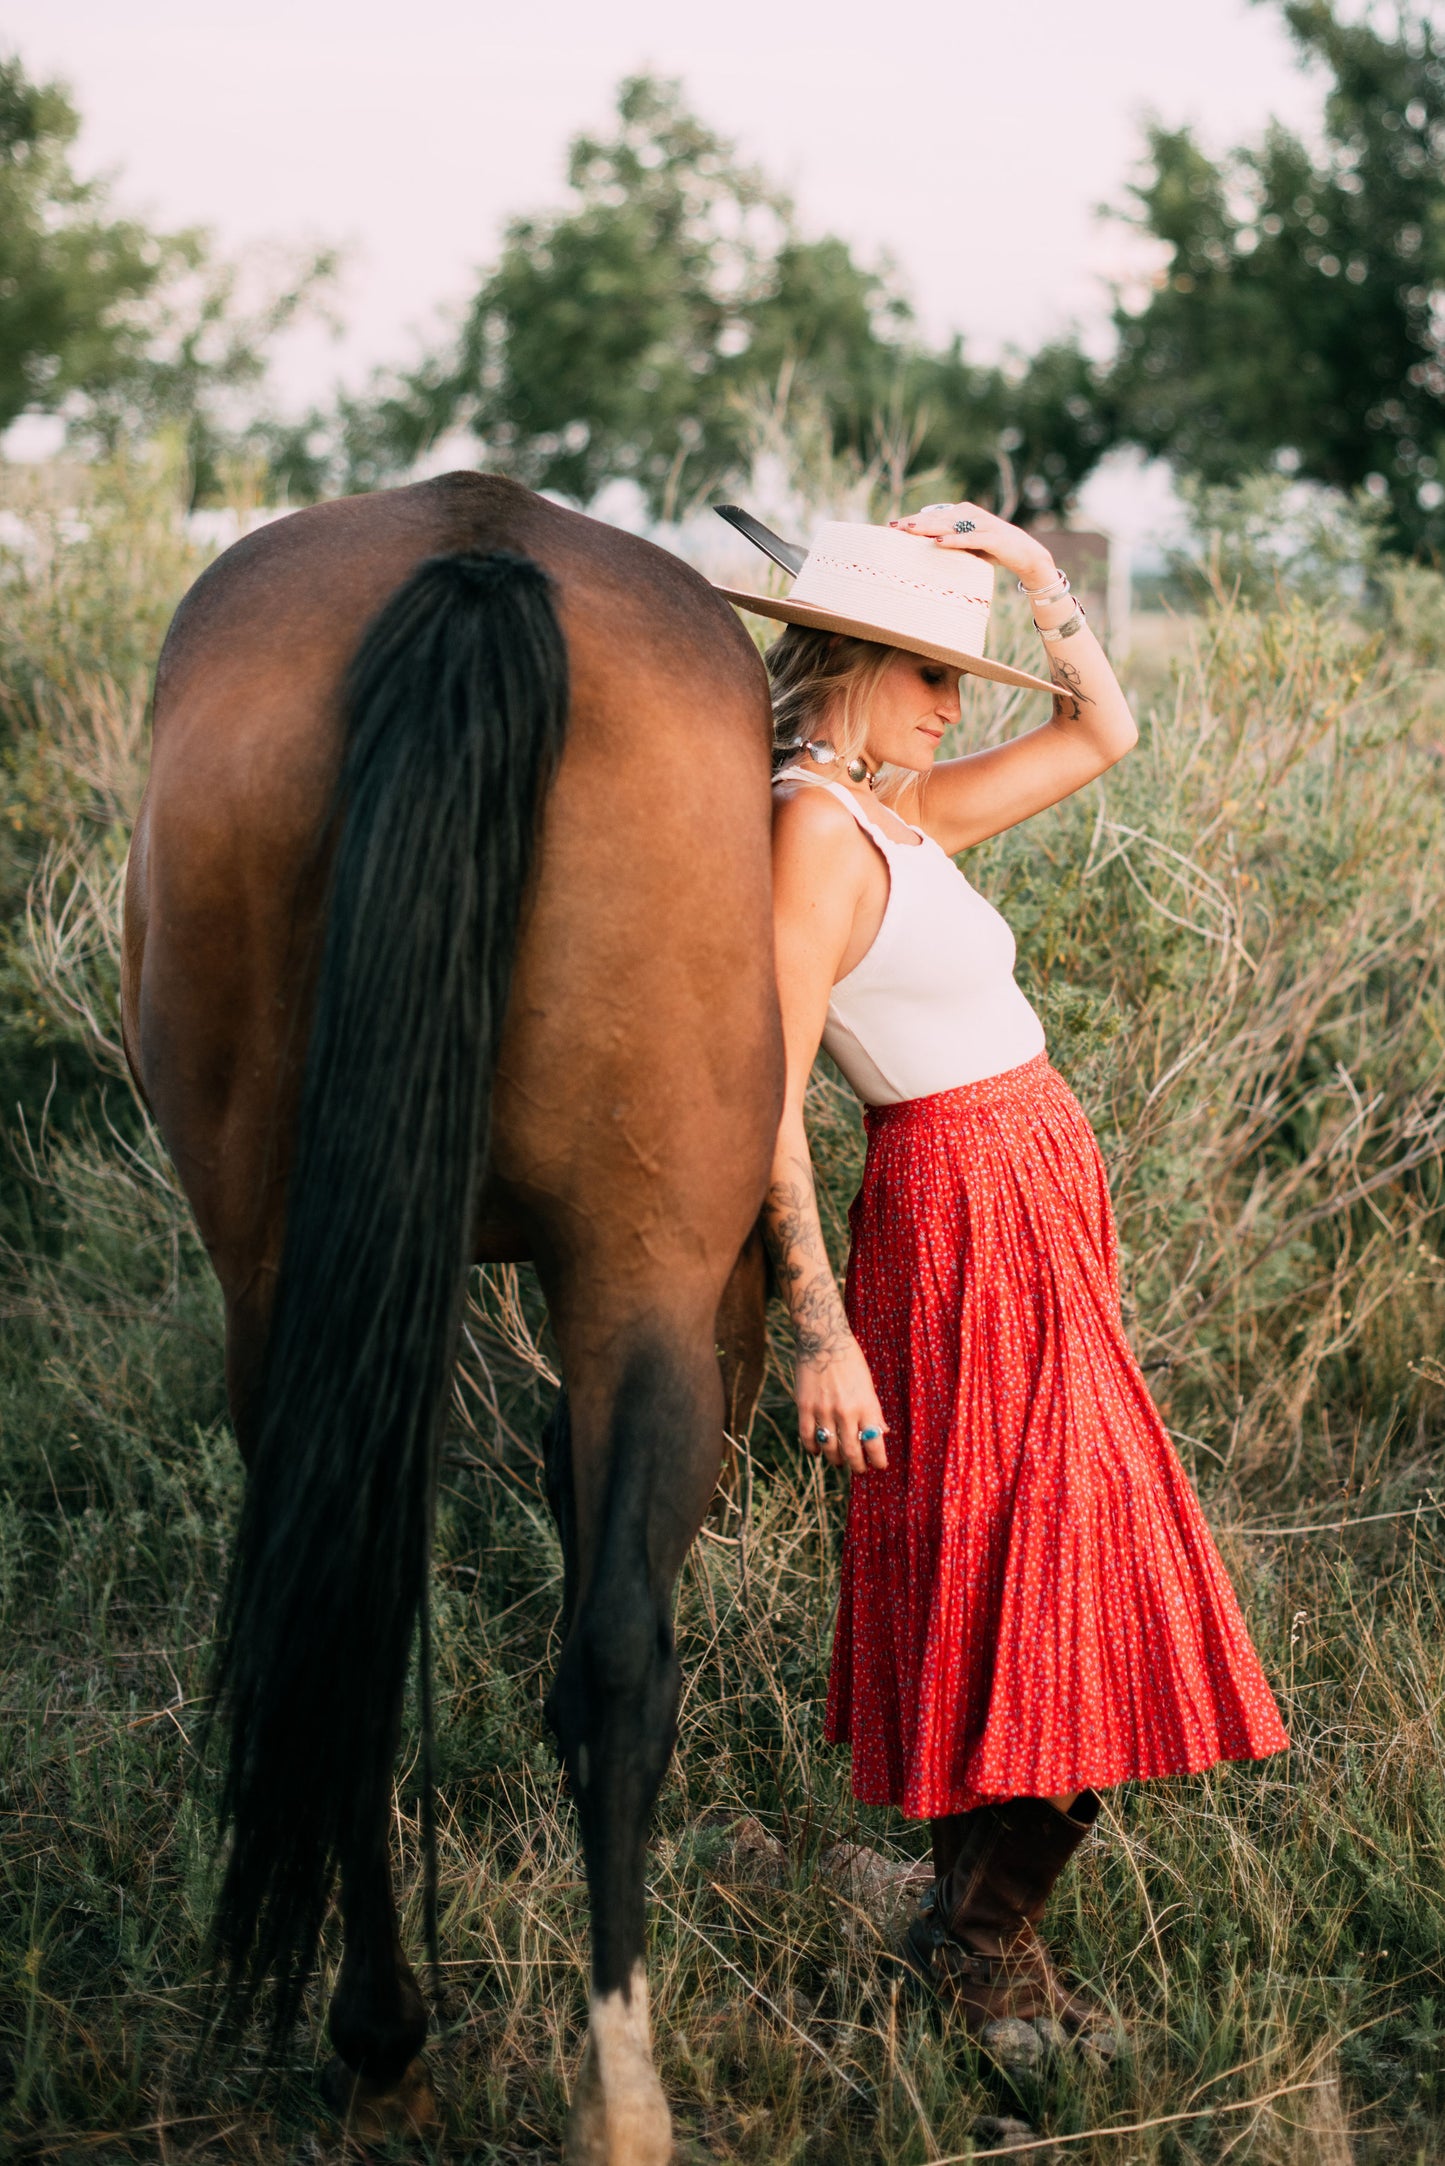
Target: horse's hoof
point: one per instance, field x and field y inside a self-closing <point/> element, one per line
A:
<point x="373" y="2112"/>
<point x="625" y="2124"/>
<point x="619" y="2115"/>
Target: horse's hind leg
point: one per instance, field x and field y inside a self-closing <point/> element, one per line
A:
<point x="378" y="2017"/>
<point x="646" y="1441"/>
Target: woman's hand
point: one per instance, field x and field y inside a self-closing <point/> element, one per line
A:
<point x="984" y="536"/>
<point x="963" y="801"/>
<point x="835" y="1394"/>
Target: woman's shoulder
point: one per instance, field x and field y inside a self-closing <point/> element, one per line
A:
<point x="814" y="832"/>
<point x="802" y="810"/>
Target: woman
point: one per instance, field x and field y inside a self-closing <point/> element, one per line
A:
<point x="1032" y="1607"/>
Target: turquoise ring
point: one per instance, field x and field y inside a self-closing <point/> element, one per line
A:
<point x="869" y="1436"/>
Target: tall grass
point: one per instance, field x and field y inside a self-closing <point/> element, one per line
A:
<point x="1237" y="945"/>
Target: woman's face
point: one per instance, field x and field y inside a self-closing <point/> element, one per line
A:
<point x="915" y="702"/>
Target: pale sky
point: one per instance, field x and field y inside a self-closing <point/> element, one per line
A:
<point x="972" y="143"/>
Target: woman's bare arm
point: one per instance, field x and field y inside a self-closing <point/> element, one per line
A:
<point x="964" y="801"/>
<point x="821" y="865"/>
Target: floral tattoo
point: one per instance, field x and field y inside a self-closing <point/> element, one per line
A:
<point x="1071" y="700"/>
<point x="795" y="1241"/>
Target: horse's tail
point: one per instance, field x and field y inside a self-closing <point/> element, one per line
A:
<point x="456" y="711"/>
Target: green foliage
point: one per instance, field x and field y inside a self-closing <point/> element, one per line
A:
<point x="127" y="330"/>
<point x="198" y="372"/>
<point x="83" y="606"/>
<point x="1023" y="436"/>
<point x="1265" y="539"/>
<point x="70" y="273"/>
<point x="1295" y="324"/>
<point x="1296" y="316"/>
<point x="611" y="337"/>
<point x="629" y="334"/>
<point x="1238" y="945"/>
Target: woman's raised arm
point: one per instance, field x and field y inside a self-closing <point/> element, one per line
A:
<point x="964" y="801"/>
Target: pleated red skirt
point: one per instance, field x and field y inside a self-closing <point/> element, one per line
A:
<point x="1031" y="1600"/>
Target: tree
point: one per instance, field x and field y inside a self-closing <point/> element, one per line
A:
<point x="121" y="328"/>
<point x="1023" y="436"/>
<point x="71" y="277"/>
<point x="628" y="334"/>
<point x="612" y="337"/>
<point x="1299" y="320"/>
<point x="204" y="359"/>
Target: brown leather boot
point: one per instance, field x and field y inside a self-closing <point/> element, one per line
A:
<point x="974" y="1941"/>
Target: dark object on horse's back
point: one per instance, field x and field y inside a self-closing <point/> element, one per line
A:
<point x="789" y="554"/>
<point x="415" y="949"/>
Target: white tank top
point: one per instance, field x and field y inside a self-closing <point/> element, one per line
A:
<point x="933" y="1003"/>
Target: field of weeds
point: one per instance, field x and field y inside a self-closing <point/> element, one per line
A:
<point x="1238" y="947"/>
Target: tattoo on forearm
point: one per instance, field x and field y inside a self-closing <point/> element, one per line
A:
<point x="819" y="1324"/>
<point x="795" y="1241"/>
<point x="1071" y="700"/>
<point x="794" y="1236"/>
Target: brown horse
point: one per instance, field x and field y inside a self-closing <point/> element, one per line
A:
<point x="447" y="940"/>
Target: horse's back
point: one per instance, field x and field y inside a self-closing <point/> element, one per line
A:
<point x="308" y="583"/>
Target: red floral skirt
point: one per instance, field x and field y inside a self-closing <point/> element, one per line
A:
<point x="1031" y="1599"/>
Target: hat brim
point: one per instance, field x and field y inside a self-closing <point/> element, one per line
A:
<point x="825" y="620"/>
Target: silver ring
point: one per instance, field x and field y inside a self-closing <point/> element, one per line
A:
<point x="822" y="1436"/>
<point x="965" y="526"/>
<point x="869" y="1436"/>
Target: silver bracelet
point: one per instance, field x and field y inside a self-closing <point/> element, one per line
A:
<point x="1067" y="629"/>
<point x="1055" y="591"/>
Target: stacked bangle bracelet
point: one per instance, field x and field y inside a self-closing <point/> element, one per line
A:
<point x="1067" y="629"/>
<point x="1055" y="591"/>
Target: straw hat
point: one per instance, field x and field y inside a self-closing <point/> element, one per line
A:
<point x="871" y="582"/>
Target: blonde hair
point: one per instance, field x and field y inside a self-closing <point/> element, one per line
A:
<point x="814" y="674"/>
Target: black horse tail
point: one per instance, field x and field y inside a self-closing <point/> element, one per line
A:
<point x="456" y="712"/>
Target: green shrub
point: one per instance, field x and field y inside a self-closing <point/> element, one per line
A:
<point x="1236" y="942"/>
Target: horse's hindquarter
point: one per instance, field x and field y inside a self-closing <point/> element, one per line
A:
<point x="642" y="1058"/>
<point x="641" y="1073"/>
<point x="222" y="902"/>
